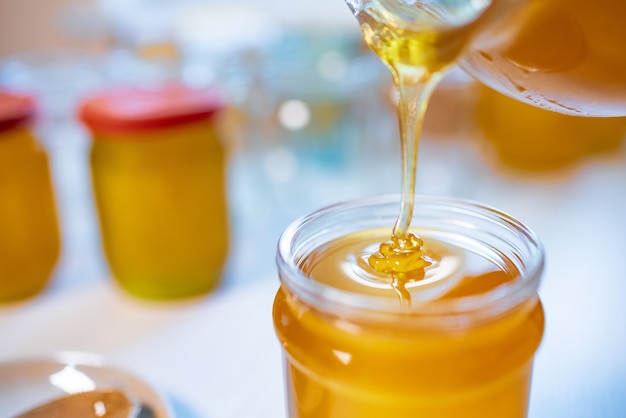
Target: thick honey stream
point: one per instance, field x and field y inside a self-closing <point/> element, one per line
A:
<point x="418" y="43"/>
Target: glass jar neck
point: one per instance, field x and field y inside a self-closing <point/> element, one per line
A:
<point x="506" y="242"/>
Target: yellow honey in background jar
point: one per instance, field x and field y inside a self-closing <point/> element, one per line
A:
<point x="158" y="171"/>
<point x="29" y="230"/>
<point x="531" y="138"/>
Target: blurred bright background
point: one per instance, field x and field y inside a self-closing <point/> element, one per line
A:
<point x="311" y="121"/>
<point x="300" y="87"/>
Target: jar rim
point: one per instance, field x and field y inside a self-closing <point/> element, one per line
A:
<point x="527" y="253"/>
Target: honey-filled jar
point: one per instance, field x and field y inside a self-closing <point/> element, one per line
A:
<point x="459" y="341"/>
<point x="30" y="238"/>
<point x="158" y="174"/>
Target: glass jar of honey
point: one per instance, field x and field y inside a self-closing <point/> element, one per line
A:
<point x="158" y="172"/>
<point x="457" y="342"/>
<point x="29" y="229"/>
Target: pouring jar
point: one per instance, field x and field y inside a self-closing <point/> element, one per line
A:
<point x="30" y="238"/>
<point x="158" y="172"/>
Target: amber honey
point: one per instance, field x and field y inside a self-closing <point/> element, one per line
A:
<point x="462" y="346"/>
<point x="419" y="42"/>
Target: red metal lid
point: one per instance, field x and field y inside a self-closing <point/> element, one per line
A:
<point x="15" y="109"/>
<point x="140" y="108"/>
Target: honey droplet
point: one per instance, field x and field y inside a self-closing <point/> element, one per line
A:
<point x="401" y="257"/>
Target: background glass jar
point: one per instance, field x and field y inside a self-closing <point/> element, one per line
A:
<point x="158" y="170"/>
<point x="530" y="138"/>
<point x="464" y="347"/>
<point x="29" y="230"/>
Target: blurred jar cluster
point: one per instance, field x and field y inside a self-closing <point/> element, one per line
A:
<point x="192" y="128"/>
<point x="296" y="111"/>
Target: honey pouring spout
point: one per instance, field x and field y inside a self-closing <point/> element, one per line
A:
<point x="356" y="6"/>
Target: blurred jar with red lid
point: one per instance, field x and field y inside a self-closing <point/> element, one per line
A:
<point x="158" y="170"/>
<point x="30" y="238"/>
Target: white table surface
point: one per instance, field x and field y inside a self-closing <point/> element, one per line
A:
<point x="217" y="356"/>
